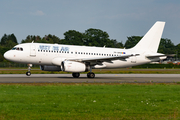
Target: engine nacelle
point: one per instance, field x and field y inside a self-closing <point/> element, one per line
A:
<point x="72" y="66"/>
<point x="50" y="68"/>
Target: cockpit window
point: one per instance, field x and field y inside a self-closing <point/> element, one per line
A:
<point x="13" y="48"/>
<point x="17" y="48"/>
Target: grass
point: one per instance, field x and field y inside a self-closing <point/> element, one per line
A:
<point x="97" y="71"/>
<point x="89" y="101"/>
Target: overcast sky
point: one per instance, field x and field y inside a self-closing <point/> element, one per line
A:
<point x="119" y="18"/>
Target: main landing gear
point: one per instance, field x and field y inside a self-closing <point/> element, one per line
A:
<point x="76" y="75"/>
<point x="28" y="73"/>
<point x="89" y="75"/>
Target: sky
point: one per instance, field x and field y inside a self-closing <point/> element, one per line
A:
<point x="119" y="18"/>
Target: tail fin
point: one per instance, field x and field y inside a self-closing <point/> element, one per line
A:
<point x="150" y="41"/>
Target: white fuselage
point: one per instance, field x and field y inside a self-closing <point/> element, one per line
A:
<point x="43" y="54"/>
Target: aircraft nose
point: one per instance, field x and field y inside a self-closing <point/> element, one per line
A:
<point x="7" y="55"/>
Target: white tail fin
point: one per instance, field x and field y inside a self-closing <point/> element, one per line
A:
<point x="150" y="41"/>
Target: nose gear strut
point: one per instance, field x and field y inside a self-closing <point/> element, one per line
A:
<point x="28" y="73"/>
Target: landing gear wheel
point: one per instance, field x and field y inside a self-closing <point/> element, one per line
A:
<point x="76" y="75"/>
<point x="28" y="73"/>
<point x="91" y="75"/>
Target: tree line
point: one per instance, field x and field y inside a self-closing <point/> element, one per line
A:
<point x="91" y="37"/>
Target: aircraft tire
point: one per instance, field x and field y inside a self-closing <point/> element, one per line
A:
<point x="91" y="75"/>
<point x="28" y="73"/>
<point x="76" y="75"/>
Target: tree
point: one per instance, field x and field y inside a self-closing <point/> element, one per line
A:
<point x="4" y="39"/>
<point x="12" y="37"/>
<point x="46" y="39"/>
<point x="1" y="58"/>
<point x="178" y="50"/>
<point x="31" y="38"/>
<point x="8" y="40"/>
<point x="97" y="37"/>
<point x="132" y="41"/>
<point x="166" y="47"/>
<point x="50" y="39"/>
<point x="117" y="44"/>
<point x="73" y="37"/>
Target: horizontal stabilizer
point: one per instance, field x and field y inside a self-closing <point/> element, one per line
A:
<point x="155" y="55"/>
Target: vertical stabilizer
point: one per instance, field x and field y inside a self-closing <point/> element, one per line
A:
<point x="150" y="41"/>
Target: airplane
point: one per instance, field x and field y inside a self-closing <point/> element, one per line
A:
<point x="77" y="59"/>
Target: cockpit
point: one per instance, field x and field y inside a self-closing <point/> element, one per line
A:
<point x="17" y="48"/>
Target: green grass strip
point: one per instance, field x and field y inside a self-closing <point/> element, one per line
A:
<point x="87" y="101"/>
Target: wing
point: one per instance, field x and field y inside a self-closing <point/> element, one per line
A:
<point x="106" y="58"/>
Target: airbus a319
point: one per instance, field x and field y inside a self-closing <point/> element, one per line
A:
<point x="77" y="59"/>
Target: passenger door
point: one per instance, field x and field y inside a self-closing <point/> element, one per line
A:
<point x="33" y="51"/>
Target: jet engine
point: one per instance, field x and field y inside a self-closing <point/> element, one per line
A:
<point x="50" y="68"/>
<point x="72" y="66"/>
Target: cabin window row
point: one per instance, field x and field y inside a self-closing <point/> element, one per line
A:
<point x="82" y="53"/>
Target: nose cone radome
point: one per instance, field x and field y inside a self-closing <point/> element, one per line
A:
<point x="8" y="55"/>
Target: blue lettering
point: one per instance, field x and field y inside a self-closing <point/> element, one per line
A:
<point x="44" y="47"/>
<point x="55" y="48"/>
<point x="66" y="49"/>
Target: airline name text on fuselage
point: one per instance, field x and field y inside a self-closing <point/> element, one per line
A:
<point x="53" y="48"/>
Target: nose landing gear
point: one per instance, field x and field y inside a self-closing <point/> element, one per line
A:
<point x="28" y="73"/>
